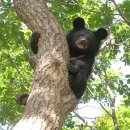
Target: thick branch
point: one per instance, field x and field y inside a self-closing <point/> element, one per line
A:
<point x="114" y="118"/>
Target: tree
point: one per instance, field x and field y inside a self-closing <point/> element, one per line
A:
<point x="107" y="80"/>
<point x="51" y="97"/>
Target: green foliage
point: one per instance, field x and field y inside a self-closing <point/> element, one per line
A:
<point x="125" y="8"/>
<point x="106" y="123"/>
<point x="69" y="123"/>
<point x="16" y="73"/>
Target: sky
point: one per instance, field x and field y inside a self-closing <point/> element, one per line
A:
<point x="119" y="1"/>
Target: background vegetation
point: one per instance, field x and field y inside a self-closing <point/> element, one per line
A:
<point x="111" y="74"/>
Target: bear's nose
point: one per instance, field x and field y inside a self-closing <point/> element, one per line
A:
<point x="83" y="43"/>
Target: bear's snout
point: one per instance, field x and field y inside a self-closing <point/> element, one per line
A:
<point x="82" y="42"/>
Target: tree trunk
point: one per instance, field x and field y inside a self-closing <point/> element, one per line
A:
<point x="51" y="98"/>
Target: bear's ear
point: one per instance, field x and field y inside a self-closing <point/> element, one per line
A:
<point x="78" y="23"/>
<point x="101" y="33"/>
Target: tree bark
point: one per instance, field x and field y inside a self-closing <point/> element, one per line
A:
<point x="51" y="98"/>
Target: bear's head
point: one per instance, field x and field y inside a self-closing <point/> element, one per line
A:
<point x="82" y="40"/>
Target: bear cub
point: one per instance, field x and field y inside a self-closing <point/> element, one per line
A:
<point x="84" y="45"/>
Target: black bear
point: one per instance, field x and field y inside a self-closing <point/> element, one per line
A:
<point x="84" y="45"/>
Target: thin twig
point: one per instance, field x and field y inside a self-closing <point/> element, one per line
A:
<point x="119" y="10"/>
<point x="99" y="103"/>
<point x="16" y="68"/>
<point x="112" y="105"/>
<point x="78" y="116"/>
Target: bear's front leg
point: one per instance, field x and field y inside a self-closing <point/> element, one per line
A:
<point x="34" y="42"/>
<point x="75" y="66"/>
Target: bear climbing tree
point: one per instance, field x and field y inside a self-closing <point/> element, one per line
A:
<point x="51" y="98"/>
<point x="84" y="45"/>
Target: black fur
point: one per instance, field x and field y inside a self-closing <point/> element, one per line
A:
<point x="85" y="44"/>
<point x="34" y="42"/>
